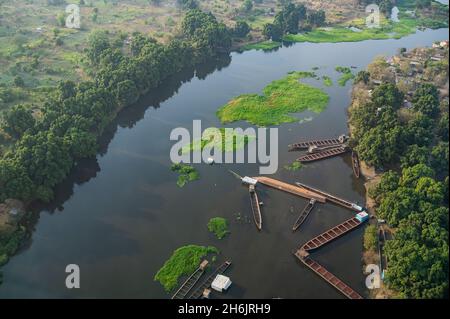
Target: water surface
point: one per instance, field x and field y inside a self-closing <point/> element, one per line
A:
<point x="120" y="216"/>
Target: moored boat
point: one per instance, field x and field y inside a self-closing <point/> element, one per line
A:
<point x="355" y="164"/>
<point x="256" y="208"/>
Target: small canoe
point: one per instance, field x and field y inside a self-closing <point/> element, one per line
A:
<point x="256" y="208"/>
<point x="304" y="214"/>
<point x="355" y="164"/>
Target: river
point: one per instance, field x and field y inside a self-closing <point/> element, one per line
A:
<point x="120" y="216"/>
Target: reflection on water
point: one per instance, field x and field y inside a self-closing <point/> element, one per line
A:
<point x="120" y="216"/>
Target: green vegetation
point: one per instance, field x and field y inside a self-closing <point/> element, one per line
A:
<point x="346" y="76"/>
<point x="263" y="45"/>
<point x="183" y="262"/>
<point x="295" y="166"/>
<point x="413" y="199"/>
<point x="289" y="20"/>
<point x="216" y="138"/>
<point x="186" y="173"/>
<point x="280" y="98"/>
<point x="437" y="18"/>
<point x="327" y="81"/>
<point x="218" y="226"/>
<point x="370" y="238"/>
<point x="45" y="149"/>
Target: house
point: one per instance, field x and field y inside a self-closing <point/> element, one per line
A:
<point x="444" y="44"/>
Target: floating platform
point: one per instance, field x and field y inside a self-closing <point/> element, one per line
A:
<point x="319" y="143"/>
<point x="323" y="154"/>
<point x="292" y="189"/>
<point x="256" y="207"/>
<point x="304" y="214"/>
<point x="208" y="281"/>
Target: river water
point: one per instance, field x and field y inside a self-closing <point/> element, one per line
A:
<point x="120" y="216"/>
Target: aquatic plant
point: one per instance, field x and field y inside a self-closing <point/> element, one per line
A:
<point x="295" y="166"/>
<point x="279" y="99"/>
<point x="210" y="140"/>
<point x="187" y="173"/>
<point x="218" y="226"/>
<point x="327" y="80"/>
<point x="183" y="261"/>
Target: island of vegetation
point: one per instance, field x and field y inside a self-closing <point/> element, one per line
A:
<point x="216" y="139"/>
<point x="281" y="98"/>
<point x="295" y="166"/>
<point x="218" y="226"/>
<point x="327" y="81"/>
<point x="399" y="120"/>
<point x="186" y="173"/>
<point x="346" y="76"/>
<point x="184" y="261"/>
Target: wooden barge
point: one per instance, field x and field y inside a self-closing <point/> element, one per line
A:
<point x="256" y="207"/>
<point x="355" y="164"/>
<point x="303" y="254"/>
<point x="187" y="286"/>
<point x="208" y="281"/>
<point x="319" y="143"/>
<point x="304" y="214"/>
<point x="292" y="189"/>
<point x="332" y="198"/>
<point x="331" y="234"/>
<point x="323" y="154"/>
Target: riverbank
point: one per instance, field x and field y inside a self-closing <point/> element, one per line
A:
<point x="400" y="83"/>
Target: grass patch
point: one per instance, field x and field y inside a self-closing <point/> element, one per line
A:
<point x="279" y="99"/>
<point x="218" y="226"/>
<point x="217" y="139"/>
<point x="295" y="166"/>
<point x="327" y="80"/>
<point x="183" y="262"/>
<point x="187" y="173"/>
<point x="264" y="45"/>
<point x="388" y="30"/>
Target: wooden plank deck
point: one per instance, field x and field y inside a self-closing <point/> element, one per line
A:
<point x="323" y="155"/>
<point x="292" y="189"/>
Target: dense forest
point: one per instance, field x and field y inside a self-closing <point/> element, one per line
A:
<point x="74" y="115"/>
<point x="412" y="196"/>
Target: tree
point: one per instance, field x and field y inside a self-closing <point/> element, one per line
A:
<point x="247" y="6"/>
<point x="188" y="4"/>
<point x="126" y="92"/>
<point x="362" y="76"/>
<point x="98" y="42"/>
<point x="241" y="29"/>
<point x="387" y="94"/>
<point x="415" y="155"/>
<point x="427" y="105"/>
<point x="17" y="120"/>
<point x="273" y="32"/>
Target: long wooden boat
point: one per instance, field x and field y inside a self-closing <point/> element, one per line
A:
<point x="256" y="208"/>
<point x="322" y="155"/>
<point x="304" y="214"/>
<point x="319" y="143"/>
<point x="355" y="164"/>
